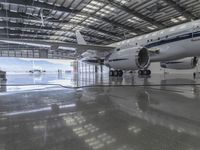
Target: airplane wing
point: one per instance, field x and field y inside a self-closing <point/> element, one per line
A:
<point x="47" y="44"/>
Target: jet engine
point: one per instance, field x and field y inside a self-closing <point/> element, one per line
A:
<point x="128" y="59"/>
<point x="186" y="63"/>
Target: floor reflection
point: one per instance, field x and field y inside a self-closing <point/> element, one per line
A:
<point x="114" y="118"/>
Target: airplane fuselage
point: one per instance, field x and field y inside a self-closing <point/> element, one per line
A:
<point x="170" y="44"/>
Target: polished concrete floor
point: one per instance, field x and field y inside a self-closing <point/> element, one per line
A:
<point x="160" y="112"/>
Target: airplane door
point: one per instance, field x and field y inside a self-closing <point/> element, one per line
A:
<point x="196" y="32"/>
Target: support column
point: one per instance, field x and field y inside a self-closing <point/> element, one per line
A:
<point x="101" y="68"/>
<point x="96" y="69"/>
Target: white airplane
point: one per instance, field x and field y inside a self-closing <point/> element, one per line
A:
<point x="176" y="48"/>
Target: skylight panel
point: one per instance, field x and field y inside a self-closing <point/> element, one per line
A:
<point x="122" y="1"/>
<point x="174" y="20"/>
<point x="178" y="19"/>
<point x="92" y="7"/>
<point x="67" y="27"/>
<point x="130" y="20"/>
<point x="105" y="11"/>
<point x="134" y="19"/>
<point x="97" y="3"/>
<point x="94" y="19"/>
<point x="88" y="10"/>
<point x="110" y="8"/>
<point x="81" y="16"/>
<point x="101" y="14"/>
<point x="152" y="27"/>
<point x="133" y="33"/>
<point x="182" y="18"/>
<point x="75" y="20"/>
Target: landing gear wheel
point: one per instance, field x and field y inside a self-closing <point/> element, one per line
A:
<point x="111" y="73"/>
<point x="120" y="73"/>
<point x="116" y="73"/>
<point x="145" y="72"/>
<point x="149" y="72"/>
<point x="140" y="72"/>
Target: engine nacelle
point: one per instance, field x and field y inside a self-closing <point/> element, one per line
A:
<point x="186" y="63"/>
<point x="93" y="61"/>
<point x="128" y="59"/>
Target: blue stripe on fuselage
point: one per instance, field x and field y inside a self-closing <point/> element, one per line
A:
<point x="174" y="39"/>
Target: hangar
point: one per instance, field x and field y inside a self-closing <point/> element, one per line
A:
<point x="131" y="80"/>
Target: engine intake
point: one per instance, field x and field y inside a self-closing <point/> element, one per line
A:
<point x="128" y="59"/>
<point x="143" y="58"/>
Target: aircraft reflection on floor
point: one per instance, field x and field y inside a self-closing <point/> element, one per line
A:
<point x="3" y="87"/>
<point x="114" y="118"/>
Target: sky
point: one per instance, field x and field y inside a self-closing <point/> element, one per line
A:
<point x="26" y="64"/>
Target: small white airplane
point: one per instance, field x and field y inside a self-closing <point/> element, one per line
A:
<point x="177" y="47"/>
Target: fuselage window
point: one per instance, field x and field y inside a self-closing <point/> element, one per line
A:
<point x="159" y="38"/>
<point x="136" y="43"/>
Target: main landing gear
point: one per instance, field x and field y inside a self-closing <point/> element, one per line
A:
<point x="116" y="73"/>
<point x="144" y="72"/>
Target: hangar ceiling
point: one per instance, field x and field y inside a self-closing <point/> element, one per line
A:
<point x="100" y="21"/>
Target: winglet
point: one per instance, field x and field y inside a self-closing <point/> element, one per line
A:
<point x="80" y="39"/>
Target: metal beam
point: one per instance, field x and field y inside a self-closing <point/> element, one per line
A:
<point x="135" y="13"/>
<point x="180" y="9"/>
<point x="43" y="5"/>
<point x="35" y="35"/>
<point x="8" y="31"/>
<point x="20" y="26"/>
<point x="8" y="14"/>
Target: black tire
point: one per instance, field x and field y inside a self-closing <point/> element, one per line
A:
<point x="140" y="72"/>
<point x="116" y="73"/>
<point x="149" y="72"/>
<point x="120" y="73"/>
<point x="111" y="73"/>
<point x="145" y="72"/>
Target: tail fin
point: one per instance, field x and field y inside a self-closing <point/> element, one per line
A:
<point x="80" y="39"/>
